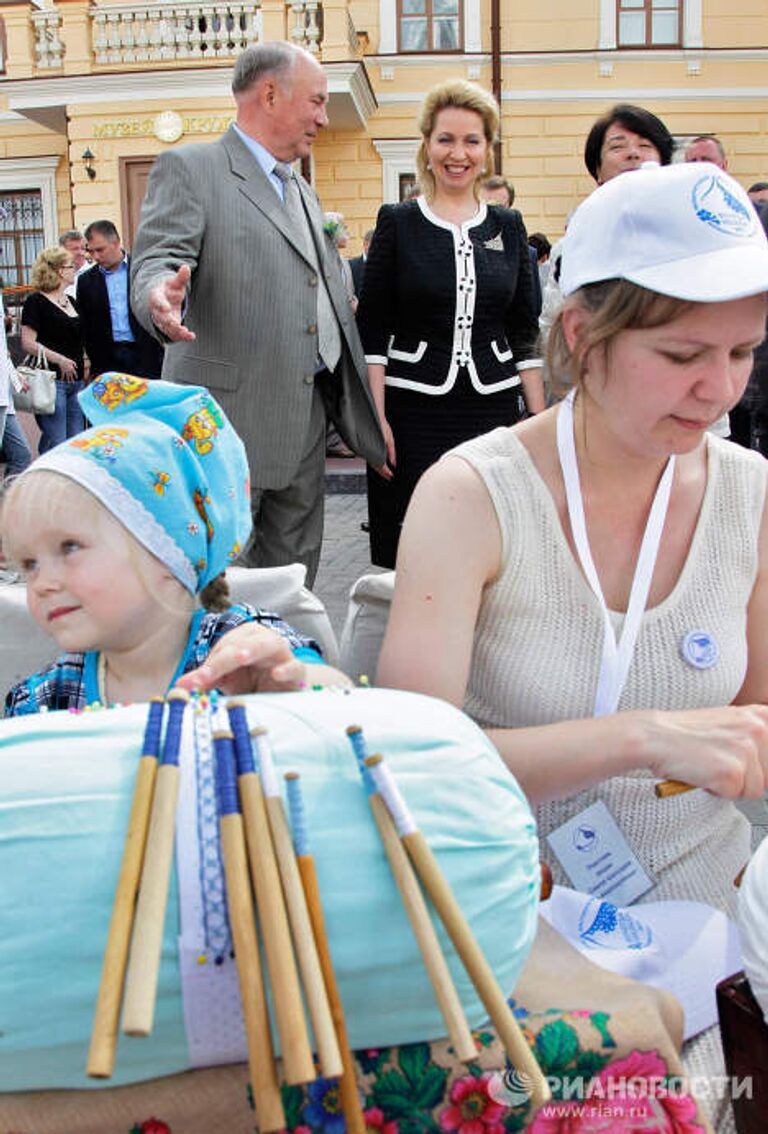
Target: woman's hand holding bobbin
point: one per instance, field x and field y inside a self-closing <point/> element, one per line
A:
<point x="724" y="750"/>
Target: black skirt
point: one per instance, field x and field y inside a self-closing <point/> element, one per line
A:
<point x="425" y="426"/>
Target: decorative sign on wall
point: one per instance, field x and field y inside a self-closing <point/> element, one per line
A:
<point x="167" y="126"/>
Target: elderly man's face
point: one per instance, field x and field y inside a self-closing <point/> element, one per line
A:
<point x="705" y="150"/>
<point x="299" y="110"/>
<point x="498" y="196"/>
<point x="76" y="249"/>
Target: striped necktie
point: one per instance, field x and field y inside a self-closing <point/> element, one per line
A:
<point x="328" y="334"/>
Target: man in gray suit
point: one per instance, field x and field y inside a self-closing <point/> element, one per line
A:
<point x="231" y="267"/>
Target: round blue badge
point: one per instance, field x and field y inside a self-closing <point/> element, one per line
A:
<point x="700" y="649"/>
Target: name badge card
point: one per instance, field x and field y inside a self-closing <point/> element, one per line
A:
<point x="596" y="857"/>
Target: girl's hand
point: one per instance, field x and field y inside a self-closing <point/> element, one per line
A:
<point x="249" y="659"/>
<point x="724" y="750"/>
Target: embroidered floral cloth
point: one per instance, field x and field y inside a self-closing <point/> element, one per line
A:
<point x="619" y="1038"/>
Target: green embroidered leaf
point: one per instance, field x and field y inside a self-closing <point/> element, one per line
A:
<point x="431" y="1088"/>
<point x="424" y="1124"/>
<point x="414" y="1061"/>
<point x="557" y="1045"/>
<point x="589" y="1063"/>
<point x="515" y="1122"/>
<point x="293" y="1104"/>
<point x="600" y="1020"/>
<point x="392" y="1094"/>
<point x="485" y="1039"/>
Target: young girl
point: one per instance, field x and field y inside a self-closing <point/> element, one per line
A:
<point x="118" y="530"/>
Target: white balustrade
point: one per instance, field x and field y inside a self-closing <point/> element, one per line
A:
<point x="307" y="20"/>
<point x="48" y="44"/>
<point x="160" y="31"/>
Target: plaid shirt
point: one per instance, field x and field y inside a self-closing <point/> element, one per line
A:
<point x="62" y="684"/>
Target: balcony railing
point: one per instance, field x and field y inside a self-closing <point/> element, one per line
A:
<point x="48" y="44"/>
<point x="159" y="32"/>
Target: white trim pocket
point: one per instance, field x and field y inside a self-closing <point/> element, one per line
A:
<point x="501" y="355"/>
<point x="410" y="355"/>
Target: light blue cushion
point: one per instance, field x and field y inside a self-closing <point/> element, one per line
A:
<point x="65" y="788"/>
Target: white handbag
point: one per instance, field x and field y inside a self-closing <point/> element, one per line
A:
<point x="34" y="390"/>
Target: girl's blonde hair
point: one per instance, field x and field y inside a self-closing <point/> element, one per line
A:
<point x="463" y="95"/>
<point x="614" y="306"/>
<point x="48" y="496"/>
<point x="46" y="268"/>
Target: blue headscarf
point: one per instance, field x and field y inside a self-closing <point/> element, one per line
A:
<point x="166" y="462"/>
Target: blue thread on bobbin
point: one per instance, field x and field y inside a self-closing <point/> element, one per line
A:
<point x="226" y="775"/>
<point x="360" y="749"/>
<point x="176" y="707"/>
<point x="238" y="722"/>
<point x="298" y="813"/>
<point x="153" y="729"/>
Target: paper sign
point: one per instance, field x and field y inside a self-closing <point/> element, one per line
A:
<point x="596" y="857"/>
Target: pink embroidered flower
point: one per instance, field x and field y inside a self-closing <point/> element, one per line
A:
<point x="375" y="1124"/>
<point x="473" y="1110"/>
<point x="625" y="1096"/>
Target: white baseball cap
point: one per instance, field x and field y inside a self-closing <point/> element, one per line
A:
<point x="686" y="230"/>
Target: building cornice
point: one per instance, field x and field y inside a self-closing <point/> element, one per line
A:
<point x="611" y="92"/>
<point x="352" y="98"/>
<point x="537" y="58"/>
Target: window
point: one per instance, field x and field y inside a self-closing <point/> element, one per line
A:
<point x="406" y="186"/>
<point x="649" y="23"/>
<point x="22" y="234"/>
<point x="430" y="25"/>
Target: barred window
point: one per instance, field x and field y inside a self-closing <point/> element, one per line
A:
<point x="22" y="234"/>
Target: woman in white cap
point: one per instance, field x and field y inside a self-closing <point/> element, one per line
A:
<point x="592" y="584"/>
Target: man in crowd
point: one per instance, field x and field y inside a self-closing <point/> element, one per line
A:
<point x="357" y="263"/>
<point x="758" y="193"/>
<point x="114" y="338"/>
<point x="496" y="190"/>
<point x="706" y="147"/>
<point x="233" y="269"/>
<point x="73" y="241"/>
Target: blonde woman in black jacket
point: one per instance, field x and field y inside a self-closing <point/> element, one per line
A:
<point x="447" y="313"/>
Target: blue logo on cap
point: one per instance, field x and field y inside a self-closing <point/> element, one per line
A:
<point x="716" y="205"/>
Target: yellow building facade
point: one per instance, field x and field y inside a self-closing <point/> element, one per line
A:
<point x="123" y="81"/>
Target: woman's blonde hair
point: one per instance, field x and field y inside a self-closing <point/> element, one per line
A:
<point x="46" y="268"/>
<point x="614" y="306"/>
<point x="463" y="95"/>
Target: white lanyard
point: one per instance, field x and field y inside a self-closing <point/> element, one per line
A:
<point x="617" y="657"/>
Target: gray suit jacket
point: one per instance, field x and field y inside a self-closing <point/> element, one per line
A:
<point x="252" y="304"/>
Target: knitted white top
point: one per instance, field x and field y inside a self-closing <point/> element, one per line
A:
<point x="538" y="644"/>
